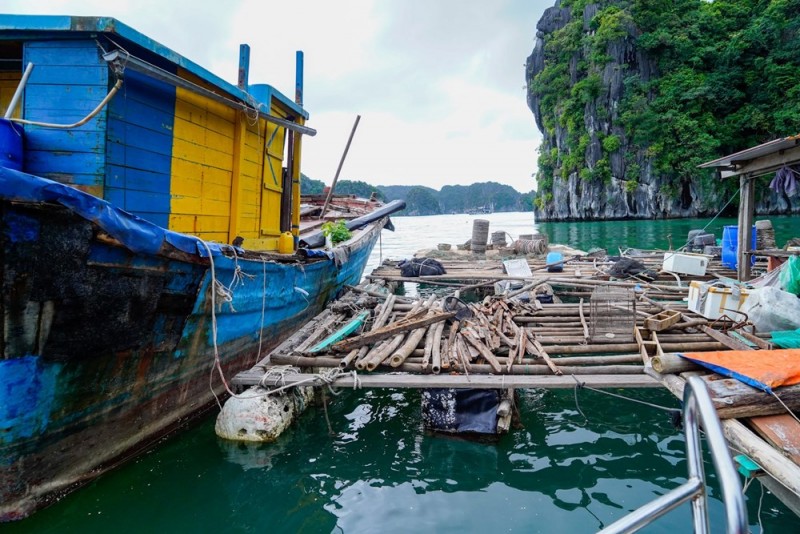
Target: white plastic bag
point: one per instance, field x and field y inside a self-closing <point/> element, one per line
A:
<point x="770" y="309"/>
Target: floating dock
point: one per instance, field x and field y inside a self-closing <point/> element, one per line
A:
<point x="600" y="332"/>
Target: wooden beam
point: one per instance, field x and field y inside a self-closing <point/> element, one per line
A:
<point x="774" y="463"/>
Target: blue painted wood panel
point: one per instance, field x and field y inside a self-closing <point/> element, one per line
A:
<point x="50" y="163"/>
<point x="68" y="81"/>
<point x="139" y="148"/>
<point x="130" y="156"/>
<point x="60" y="140"/>
<point x="134" y="135"/>
<point x="69" y="52"/>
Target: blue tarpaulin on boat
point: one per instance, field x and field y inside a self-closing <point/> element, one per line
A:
<point x="135" y="233"/>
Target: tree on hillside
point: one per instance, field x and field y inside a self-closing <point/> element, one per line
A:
<point x="421" y="201"/>
<point x="357" y="188"/>
<point x="309" y="186"/>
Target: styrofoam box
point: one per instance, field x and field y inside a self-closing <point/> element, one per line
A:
<point x="685" y="263"/>
<point x="714" y="302"/>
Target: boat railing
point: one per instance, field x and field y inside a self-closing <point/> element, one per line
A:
<point x="697" y="409"/>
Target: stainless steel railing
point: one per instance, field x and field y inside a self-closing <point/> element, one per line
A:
<point x="697" y="409"/>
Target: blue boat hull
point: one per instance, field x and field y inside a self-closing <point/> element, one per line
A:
<point x="106" y="349"/>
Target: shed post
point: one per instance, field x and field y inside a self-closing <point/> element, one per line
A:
<point x="746" y="209"/>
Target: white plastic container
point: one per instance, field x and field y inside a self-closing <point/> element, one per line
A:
<point x="713" y="302"/>
<point x="685" y="263"/>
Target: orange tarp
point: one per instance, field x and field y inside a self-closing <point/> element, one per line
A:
<point x="764" y="369"/>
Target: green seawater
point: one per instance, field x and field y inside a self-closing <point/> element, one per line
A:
<point x="578" y="461"/>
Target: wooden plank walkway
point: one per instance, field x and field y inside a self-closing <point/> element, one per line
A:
<point x="509" y="345"/>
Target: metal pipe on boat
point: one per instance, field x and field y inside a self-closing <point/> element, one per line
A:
<point x="138" y="65"/>
<point x="18" y="93"/>
<point x="318" y="239"/>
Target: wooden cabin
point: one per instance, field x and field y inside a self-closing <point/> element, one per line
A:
<point x="174" y="145"/>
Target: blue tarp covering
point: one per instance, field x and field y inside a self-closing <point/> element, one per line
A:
<point x="135" y="233"/>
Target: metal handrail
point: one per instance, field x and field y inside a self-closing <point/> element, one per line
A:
<point x="697" y="409"/>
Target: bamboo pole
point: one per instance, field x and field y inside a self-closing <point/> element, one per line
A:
<point x="671" y="363"/>
<point x="546" y="357"/>
<point x="428" y="350"/>
<point x="383" y="353"/>
<point x="390" y="330"/>
<point x="444" y="355"/>
<point x="436" y="363"/>
<point x="630" y="347"/>
<point x="526" y="369"/>
<point x="485" y="352"/>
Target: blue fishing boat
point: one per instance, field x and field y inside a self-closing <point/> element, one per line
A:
<point x="151" y="244"/>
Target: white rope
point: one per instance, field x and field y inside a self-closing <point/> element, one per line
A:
<point x="217" y="363"/>
<point x="327" y="377"/>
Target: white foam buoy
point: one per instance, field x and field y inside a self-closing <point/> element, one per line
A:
<point x="256" y="416"/>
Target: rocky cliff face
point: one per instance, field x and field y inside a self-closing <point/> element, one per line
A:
<point x="588" y="168"/>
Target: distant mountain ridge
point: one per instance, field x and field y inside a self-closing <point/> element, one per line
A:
<point x="421" y="200"/>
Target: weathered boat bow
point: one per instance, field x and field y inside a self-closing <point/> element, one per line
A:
<point x="119" y="211"/>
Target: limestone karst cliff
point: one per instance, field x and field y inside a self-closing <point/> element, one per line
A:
<point x="631" y="95"/>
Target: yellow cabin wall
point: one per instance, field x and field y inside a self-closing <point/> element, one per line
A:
<point x="8" y="85"/>
<point x="226" y="172"/>
<point x="202" y="150"/>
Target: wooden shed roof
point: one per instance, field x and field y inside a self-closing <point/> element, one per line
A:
<point x="758" y="160"/>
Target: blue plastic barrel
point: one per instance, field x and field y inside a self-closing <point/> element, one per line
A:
<point x="553" y="257"/>
<point x="10" y="145"/>
<point x="730" y="242"/>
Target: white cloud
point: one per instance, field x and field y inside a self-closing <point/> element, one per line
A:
<point x="439" y="84"/>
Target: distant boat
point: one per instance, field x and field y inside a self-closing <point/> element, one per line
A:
<point x="147" y="250"/>
<point x="481" y="210"/>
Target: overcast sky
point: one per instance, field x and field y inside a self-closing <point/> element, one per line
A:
<point x="439" y="84"/>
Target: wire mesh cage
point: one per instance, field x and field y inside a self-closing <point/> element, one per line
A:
<point x="612" y="313"/>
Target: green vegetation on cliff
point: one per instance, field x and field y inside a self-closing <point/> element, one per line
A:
<point x="646" y="90"/>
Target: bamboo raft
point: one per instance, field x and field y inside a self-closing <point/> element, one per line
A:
<point x="379" y="339"/>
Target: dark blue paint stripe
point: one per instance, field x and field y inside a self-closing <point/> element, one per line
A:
<point x="139" y="147"/>
<point x="136" y="158"/>
<point x="133" y="135"/>
<point x="135" y="179"/>
<point x="144" y="90"/>
<point x="146" y="116"/>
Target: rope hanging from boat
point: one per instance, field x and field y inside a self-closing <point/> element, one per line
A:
<point x="217" y="363"/>
<point x="328" y="377"/>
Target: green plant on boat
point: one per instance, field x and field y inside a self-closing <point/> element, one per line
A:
<point x="337" y="231"/>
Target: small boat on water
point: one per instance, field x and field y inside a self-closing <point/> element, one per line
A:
<point x="153" y="242"/>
